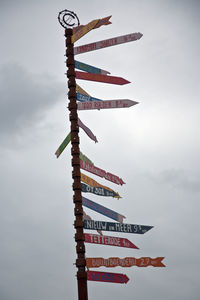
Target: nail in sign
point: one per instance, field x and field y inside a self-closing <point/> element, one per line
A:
<point x="107" y="277"/>
<point x="109" y="241"/>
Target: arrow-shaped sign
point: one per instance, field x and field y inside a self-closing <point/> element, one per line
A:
<point x="111" y="262"/>
<point x="107" y="277"/>
<point x="63" y="145"/>
<point x="83" y="30"/>
<point x="123" y="103"/>
<point x="85" y="98"/>
<point x="90" y="181"/>
<point x="90" y="69"/>
<point x="99" y="172"/>
<point x="116" y="227"/>
<point x="103" y="21"/>
<point x="102" y="210"/>
<point x="101" y="78"/>
<point x="109" y="241"/>
<point x="98" y="191"/>
<point x="87" y="131"/>
<point x="107" y="43"/>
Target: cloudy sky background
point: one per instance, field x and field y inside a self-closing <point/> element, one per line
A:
<point x="153" y="146"/>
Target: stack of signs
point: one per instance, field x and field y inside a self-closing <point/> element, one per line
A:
<point x="89" y="185"/>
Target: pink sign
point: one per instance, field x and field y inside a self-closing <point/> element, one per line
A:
<point x="106" y="104"/>
<point x="87" y="130"/>
<point x="108" y="43"/>
<point x="109" y="241"/>
<point x="99" y="172"/>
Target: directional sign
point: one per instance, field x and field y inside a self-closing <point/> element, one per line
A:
<point x="85" y="98"/>
<point x="107" y="43"/>
<point x="123" y="103"/>
<point x="87" y="131"/>
<point x="63" y="145"/>
<point x="107" y="277"/>
<point x="98" y="191"/>
<point x="103" y="21"/>
<point x="80" y="90"/>
<point x="101" y="78"/>
<point x="111" y="262"/>
<point x="109" y="241"/>
<point x="90" y="181"/>
<point x="102" y="210"/>
<point x="83" y="30"/>
<point x="90" y="69"/>
<point x="99" y="172"/>
<point x="116" y="227"/>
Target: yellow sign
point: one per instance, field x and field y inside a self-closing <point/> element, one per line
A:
<point x="81" y="91"/>
<point x="85" y="29"/>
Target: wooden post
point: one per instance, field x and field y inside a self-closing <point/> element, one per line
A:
<point x="76" y="175"/>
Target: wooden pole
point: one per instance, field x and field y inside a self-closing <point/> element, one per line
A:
<point x="76" y="175"/>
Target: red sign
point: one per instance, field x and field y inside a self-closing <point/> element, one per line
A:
<point x="106" y="104"/>
<point x="107" y="43"/>
<point x="101" y="78"/>
<point x="107" y="277"/>
<point x="109" y="241"/>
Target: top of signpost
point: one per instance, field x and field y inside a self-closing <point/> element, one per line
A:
<point x="68" y="19"/>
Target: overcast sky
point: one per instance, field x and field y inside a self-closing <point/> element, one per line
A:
<point x="153" y="146"/>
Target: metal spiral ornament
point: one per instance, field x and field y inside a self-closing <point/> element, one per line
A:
<point x="68" y="19"/>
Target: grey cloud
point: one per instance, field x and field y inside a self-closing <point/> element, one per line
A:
<point x="24" y="98"/>
<point x="180" y="179"/>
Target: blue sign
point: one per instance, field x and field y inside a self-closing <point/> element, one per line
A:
<point x="102" y="210"/>
<point x="116" y="227"/>
<point x="85" y="98"/>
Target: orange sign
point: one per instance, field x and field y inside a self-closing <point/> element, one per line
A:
<point x="80" y="90"/>
<point x="85" y="29"/>
<point x="103" y="21"/>
<point x="111" y="262"/>
<point x="88" y="180"/>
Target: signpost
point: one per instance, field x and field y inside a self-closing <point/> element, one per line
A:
<point x="111" y="262"/>
<point x="123" y="103"/>
<point x="101" y="78"/>
<point x="116" y="227"/>
<point x="109" y="241"/>
<point x="102" y="210"/>
<point x="107" y="43"/>
<point x="107" y="277"/>
<point x="90" y="69"/>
